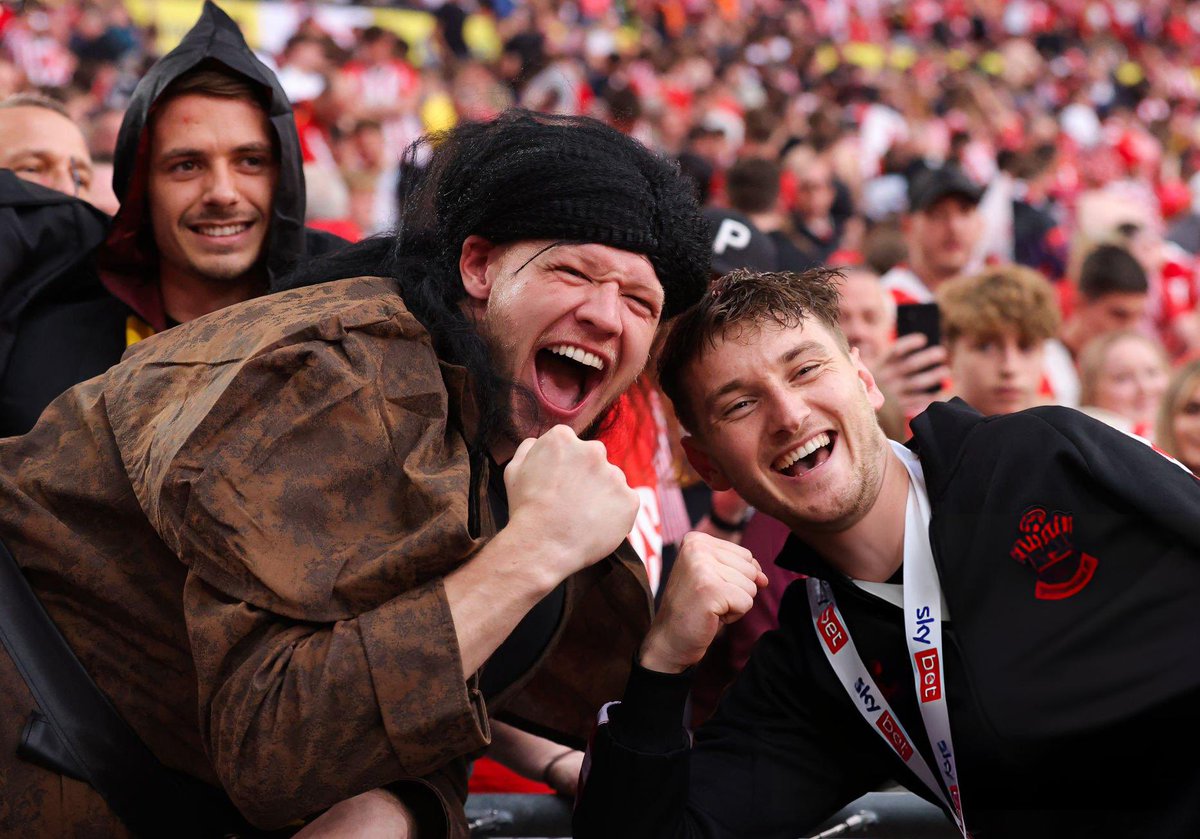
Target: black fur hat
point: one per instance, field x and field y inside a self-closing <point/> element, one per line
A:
<point x="534" y="176"/>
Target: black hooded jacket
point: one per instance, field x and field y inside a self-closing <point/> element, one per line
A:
<point x="77" y="289"/>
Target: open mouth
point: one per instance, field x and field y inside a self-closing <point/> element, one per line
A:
<point x="221" y="231"/>
<point x="807" y="456"/>
<point x="566" y="376"/>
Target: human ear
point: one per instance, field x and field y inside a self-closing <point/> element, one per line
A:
<point x="473" y="262"/>
<point x="705" y="467"/>
<point x="866" y="380"/>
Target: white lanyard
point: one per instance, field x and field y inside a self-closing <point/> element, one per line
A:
<point x="923" y="630"/>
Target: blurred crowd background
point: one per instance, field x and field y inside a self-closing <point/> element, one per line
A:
<point x="1079" y="118"/>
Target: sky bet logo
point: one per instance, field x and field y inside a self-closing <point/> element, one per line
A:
<point x="864" y="693"/>
<point x="923" y="621"/>
<point x="832" y="632"/>
<point x="929" y="679"/>
<point x="894" y="736"/>
<point x="947" y="759"/>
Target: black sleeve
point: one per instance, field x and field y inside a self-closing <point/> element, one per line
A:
<point x="778" y="757"/>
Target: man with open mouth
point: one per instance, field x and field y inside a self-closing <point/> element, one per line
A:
<point x="308" y="546"/>
<point x="1000" y="615"/>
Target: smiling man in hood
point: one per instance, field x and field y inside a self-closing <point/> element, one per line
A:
<point x="308" y="545"/>
<point x="208" y="173"/>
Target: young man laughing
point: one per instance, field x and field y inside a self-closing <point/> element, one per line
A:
<point x="1006" y="599"/>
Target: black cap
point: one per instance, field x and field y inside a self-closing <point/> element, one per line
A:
<point x="737" y="243"/>
<point x="932" y="185"/>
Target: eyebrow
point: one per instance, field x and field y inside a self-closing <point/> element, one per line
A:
<point x="41" y="152"/>
<point x="183" y="151"/>
<point x="591" y="267"/>
<point x="785" y="359"/>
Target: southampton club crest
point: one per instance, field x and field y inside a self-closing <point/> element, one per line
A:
<point x="1046" y="545"/>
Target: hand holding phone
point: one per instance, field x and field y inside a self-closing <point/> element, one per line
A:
<point x="919" y="317"/>
<point x="924" y="319"/>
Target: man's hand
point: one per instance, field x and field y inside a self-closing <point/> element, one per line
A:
<point x="712" y="582"/>
<point x="907" y="373"/>
<point x="568" y="507"/>
<point x="564" y="493"/>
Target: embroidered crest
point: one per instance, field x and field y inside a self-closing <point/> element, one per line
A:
<point x="1046" y="545"/>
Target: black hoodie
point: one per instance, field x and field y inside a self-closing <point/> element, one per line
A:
<point x="63" y="324"/>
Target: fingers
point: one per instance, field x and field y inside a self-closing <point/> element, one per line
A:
<point x="733" y="562"/>
<point x="519" y="456"/>
<point x="925" y="380"/>
<point x="921" y="360"/>
<point x="737" y="578"/>
<point x="907" y="344"/>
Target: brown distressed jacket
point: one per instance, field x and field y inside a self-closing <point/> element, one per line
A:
<point x="242" y="532"/>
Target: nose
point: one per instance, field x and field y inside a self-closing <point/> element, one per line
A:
<point x="62" y="178"/>
<point x="221" y="189"/>
<point x="601" y="307"/>
<point x="787" y="411"/>
<point x="1142" y="386"/>
<point x="1008" y="359"/>
<point x="961" y="221"/>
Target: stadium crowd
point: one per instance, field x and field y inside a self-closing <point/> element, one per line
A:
<point x="1029" y="169"/>
<point x="1077" y="121"/>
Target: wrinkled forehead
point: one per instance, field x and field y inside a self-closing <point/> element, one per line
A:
<point x="598" y="262"/>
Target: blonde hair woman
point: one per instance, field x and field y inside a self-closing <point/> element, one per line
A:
<point x="1178" y="429"/>
<point x="1122" y="378"/>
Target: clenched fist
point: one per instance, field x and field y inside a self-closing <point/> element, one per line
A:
<point x="712" y="582"/>
<point x="564" y="492"/>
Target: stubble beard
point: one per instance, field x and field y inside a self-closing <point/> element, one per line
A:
<point x="859" y="497"/>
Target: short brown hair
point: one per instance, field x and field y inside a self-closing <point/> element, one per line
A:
<point x="1000" y="299"/>
<point x="752" y="185"/>
<point x="212" y="79"/>
<point x="744" y="299"/>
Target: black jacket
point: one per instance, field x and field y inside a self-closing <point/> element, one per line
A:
<point x="68" y="306"/>
<point x="1071" y="715"/>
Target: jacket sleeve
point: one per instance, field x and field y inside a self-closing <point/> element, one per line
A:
<point x="317" y="494"/>
<point x="777" y="758"/>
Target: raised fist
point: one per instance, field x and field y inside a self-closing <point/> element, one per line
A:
<point x="565" y="493"/>
<point x="712" y="582"/>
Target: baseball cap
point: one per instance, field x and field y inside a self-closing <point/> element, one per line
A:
<point x="932" y="185"/>
<point x="737" y="243"/>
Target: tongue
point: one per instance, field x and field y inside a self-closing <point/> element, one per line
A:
<point x="811" y="461"/>
<point x="560" y="380"/>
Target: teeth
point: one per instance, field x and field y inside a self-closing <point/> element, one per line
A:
<point x="805" y="450"/>
<point x="223" y="229"/>
<point x="576" y="354"/>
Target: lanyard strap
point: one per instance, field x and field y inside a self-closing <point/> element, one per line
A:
<point x="923" y="630"/>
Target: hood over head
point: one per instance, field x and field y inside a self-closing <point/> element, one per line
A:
<point x="129" y="261"/>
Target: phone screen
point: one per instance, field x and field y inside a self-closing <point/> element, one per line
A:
<point x="923" y="318"/>
<point x="919" y="317"/>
